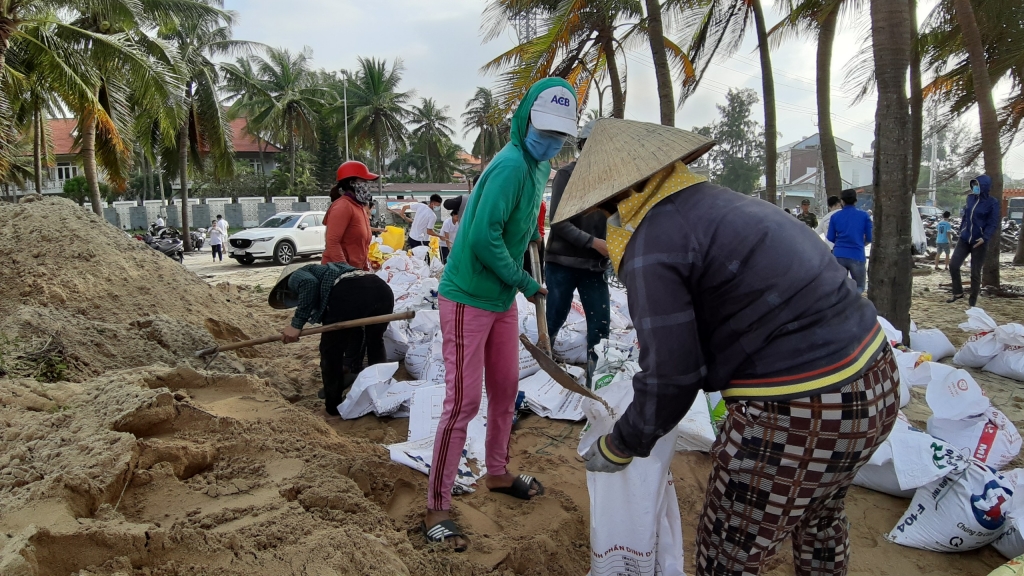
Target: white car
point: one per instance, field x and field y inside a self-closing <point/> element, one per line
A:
<point x="282" y="237"/>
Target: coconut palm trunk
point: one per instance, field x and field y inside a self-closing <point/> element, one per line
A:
<point x="618" y="97"/>
<point x="291" y="154"/>
<point x="183" y="180"/>
<point x="829" y="152"/>
<point x="916" y="103"/>
<point x="771" y="128"/>
<point x="38" y="145"/>
<point x="662" y="72"/>
<point x="88" y="153"/>
<point x="160" y="183"/>
<point x="989" y="125"/>
<point x="890" y="284"/>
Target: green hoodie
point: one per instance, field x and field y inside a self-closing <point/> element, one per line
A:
<point x="485" y="268"/>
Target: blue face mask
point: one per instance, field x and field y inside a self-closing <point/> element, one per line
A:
<point x="975" y="189"/>
<point x="542" y="146"/>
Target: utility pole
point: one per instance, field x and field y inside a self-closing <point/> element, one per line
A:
<point x="344" y="90"/>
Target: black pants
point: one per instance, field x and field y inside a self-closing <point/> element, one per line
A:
<point x="410" y="243"/>
<point x="342" y="352"/>
<point x="977" y="262"/>
<point x="216" y="249"/>
<point x="445" y="251"/>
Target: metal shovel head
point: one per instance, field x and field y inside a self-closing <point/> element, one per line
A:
<point x="551" y="368"/>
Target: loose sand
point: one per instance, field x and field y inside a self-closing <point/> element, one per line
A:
<point x="142" y="462"/>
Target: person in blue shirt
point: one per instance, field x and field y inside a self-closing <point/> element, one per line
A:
<point x="942" y="238"/>
<point x="980" y="219"/>
<point x="850" y="230"/>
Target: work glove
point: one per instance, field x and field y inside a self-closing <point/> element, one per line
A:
<point x="600" y="457"/>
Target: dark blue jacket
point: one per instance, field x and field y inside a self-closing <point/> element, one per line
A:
<point x="850" y="230"/>
<point x="730" y="293"/>
<point x="981" y="214"/>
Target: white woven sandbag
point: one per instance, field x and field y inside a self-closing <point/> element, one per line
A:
<point x="982" y="346"/>
<point x="932" y="341"/>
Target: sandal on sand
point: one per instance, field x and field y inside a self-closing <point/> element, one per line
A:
<point x="442" y="531"/>
<point x="954" y="298"/>
<point x="521" y="487"/>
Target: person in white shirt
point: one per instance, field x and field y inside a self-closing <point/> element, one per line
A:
<point x="223" y="225"/>
<point x="159" y="221"/>
<point x="451" y="225"/>
<point x="216" y="241"/>
<point x="423" y="221"/>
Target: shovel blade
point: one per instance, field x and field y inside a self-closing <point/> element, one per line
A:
<point x="551" y="368"/>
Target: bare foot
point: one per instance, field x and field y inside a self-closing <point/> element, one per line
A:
<point x="504" y="481"/>
<point x="435" y="517"/>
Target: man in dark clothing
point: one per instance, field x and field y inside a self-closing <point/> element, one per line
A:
<point x="979" y="220"/>
<point x="330" y="293"/>
<point x="577" y="259"/>
<point x="850" y="231"/>
<point x="728" y="294"/>
<point x="806" y="216"/>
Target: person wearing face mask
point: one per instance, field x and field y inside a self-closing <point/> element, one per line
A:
<point x="348" y="228"/>
<point x="479" y="320"/>
<point x="422" y="223"/>
<point x="728" y="295"/>
<point x="979" y="220"/>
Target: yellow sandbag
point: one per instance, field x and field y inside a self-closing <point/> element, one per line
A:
<point x="435" y="247"/>
<point x="1014" y="567"/>
<point x="394" y="237"/>
<point x="375" y="256"/>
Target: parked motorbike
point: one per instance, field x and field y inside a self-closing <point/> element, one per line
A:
<point x="163" y="232"/>
<point x="171" y="247"/>
<point x="198" y="238"/>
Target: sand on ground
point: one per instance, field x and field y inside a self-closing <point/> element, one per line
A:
<point x="122" y="454"/>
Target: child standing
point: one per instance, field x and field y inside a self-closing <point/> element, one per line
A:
<point x="942" y="239"/>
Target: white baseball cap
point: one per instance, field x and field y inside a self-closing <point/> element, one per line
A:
<point x="555" y="111"/>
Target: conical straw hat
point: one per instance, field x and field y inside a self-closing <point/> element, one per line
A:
<point x="620" y="154"/>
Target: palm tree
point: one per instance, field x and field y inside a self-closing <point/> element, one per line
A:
<point x="989" y="121"/>
<point x="890" y="286"/>
<point x="482" y="116"/>
<point x="662" y="69"/>
<point x="719" y="31"/>
<point x="378" y="109"/>
<point x="282" y="98"/>
<point x="820" y="18"/>
<point x="204" y="133"/>
<point x="579" y="40"/>
<point x="433" y="128"/>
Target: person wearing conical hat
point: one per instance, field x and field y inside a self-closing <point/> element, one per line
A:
<point x="329" y="293"/>
<point x="479" y="321"/>
<point x="730" y="294"/>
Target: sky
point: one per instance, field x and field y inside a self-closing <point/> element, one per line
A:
<point x="441" y="44"/>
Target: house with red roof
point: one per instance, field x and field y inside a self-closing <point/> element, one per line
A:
<point x="64" y="132"/>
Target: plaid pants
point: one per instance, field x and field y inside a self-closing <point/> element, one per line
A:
<point x="783" y="469"/>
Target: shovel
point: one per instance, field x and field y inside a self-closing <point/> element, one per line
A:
<point x="551" y="368"/>
<point x="328" y="328"/>
<point x="543" y="338"/>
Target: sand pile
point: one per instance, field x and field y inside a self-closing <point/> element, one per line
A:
<point x="81" y="297"/>
<point x="160" y="471"/>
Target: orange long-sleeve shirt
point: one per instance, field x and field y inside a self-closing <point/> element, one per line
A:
<point x="348" y="234"/>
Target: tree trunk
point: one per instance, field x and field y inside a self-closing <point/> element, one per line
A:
<point x="263" y="169"/>
<point x="771" y="127"/>
<point x="183" y="181"/>
<point x="430" y="174"/>
<point x="826" y="137"/>
<point x="160" y="184"/>
<point x="38" y="143"/>
<point x="989" y="125"/>
<point x="916" y="103"/>
<point x="88" y="123"/>
<point x="618" y="98"/>
<point x="291" y="154"/>
<point x="890" y="285"/>
<point x="662" y="72"/>
<point x="147" y="168"/>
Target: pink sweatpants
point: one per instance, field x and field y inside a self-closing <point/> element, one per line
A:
<point x="475" y="341"/>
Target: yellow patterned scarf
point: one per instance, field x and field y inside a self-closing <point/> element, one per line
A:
<point x="632" y="210"/>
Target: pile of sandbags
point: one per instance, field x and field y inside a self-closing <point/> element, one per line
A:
<point x="1009" y="362"/>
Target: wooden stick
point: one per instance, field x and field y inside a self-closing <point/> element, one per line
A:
<point x="543" y="337"/>
<point x="328" y="328"/>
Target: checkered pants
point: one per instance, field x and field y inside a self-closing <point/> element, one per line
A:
<point x="783" y="468"/>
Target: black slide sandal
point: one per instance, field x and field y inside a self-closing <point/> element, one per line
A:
<point x="521" y="487"/>
<point x="954" y="298"/>
<point x="439" y="533"/>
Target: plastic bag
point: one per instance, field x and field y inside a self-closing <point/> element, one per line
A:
<point x="695" y="431"/>
<point x="570" y="345"/>
<point x="648" y="540"/>
<point x="394" y="237"/>
<point x="932" y="341"/>
<point x="991" y="438"/>
<point x="982" y="346"/>
<point x="962" y="511"/>
<point x="956" y="396"/>
<point x="1009" y="363"/>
